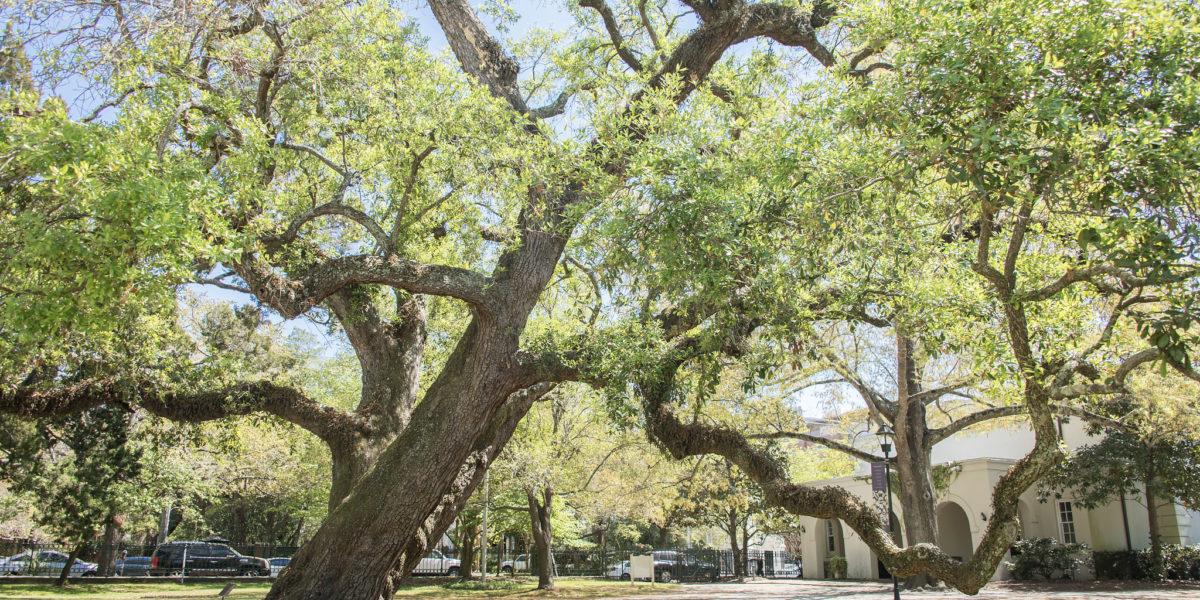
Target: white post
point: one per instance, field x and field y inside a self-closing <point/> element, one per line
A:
<point x="183" y="566"/>
<point x="484" y="536"/>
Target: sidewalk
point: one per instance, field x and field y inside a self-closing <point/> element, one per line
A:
<point x="809" y="589"/>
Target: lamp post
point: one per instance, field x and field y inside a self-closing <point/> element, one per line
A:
<point x="885" y="434"/>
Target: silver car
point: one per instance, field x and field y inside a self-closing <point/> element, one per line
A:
<point x="278" y="564"/>
<point x="44" y="562"/>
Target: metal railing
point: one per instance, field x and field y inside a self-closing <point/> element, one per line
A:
<point x="680" y="564"/>
<point x="25" y="557"/>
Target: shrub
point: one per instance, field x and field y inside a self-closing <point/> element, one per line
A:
<point x="1047" y="559"/>
<point x="1118" y="564"/>
<point x="1181" y="562"/>
<point x="836" y="567"/>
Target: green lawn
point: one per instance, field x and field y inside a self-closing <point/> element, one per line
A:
<point x="521" y="588"/>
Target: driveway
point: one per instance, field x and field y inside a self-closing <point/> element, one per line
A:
<point x="860" y="590"/>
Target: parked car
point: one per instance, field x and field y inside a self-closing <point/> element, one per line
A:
<point x="618" y="571"/>
<point x="205" y="558"/>
<point x="670" y="566"/>
<point x="792" y="569"/>
<point x="44" y="562"/>
<point x="436" y="563"/>
<point x="278" y="564"/>
<point x="518" y="564"/>
<point x="133" y="566"/>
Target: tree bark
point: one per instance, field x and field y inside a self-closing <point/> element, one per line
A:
<point x="1156" y="547"/>
<point x="746" y="547"/>
<point x="108" y="547"/>
<point x="913" y="461"/>
<point x="539" y="517"/>
<point x="466" y="550"/>
<point x="731" y="529"/>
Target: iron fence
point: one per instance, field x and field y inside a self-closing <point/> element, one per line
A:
<point x="680" y="564"/>
<point x="26" y="557"/>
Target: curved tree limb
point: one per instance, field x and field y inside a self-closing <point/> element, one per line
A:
<point x="292" y="297"/>
<point x="287" y="403"/>
<point x="941" y="433"/>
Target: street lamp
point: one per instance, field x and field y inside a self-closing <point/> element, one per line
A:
<point x="885" y="434"/>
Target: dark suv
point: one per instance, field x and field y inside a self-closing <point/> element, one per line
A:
<point x="205" y="558"/>
<point x="674" y="566"/>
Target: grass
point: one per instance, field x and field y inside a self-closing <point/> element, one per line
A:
<point x="517" y="589"/>
<point x="129" y="591"/>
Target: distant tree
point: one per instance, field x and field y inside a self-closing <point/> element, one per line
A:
<point x="1139" y="457"/>
<point x="79" y="467"/>
<point x="720" y="496"/>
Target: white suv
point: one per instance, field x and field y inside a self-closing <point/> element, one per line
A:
<point x="436" y="563"/>
<point x="519" y="564"/>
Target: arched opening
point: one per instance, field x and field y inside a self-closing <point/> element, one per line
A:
<point x="954" y="531"/>
<point x="897" y="537"/>
<point x="830" y="542"/>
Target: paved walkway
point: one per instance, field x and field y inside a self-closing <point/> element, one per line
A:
<point x="859" y="590"/>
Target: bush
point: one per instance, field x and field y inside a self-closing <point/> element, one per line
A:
<point x="1179" y="562"/>
<point x="836" y="567"/>
<point x="1047" y="559"/>
<point x="1119" y="564"/>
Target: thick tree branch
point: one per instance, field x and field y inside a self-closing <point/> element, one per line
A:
<point x="937" y="435"/>
<point x="335" y="208"/>
<point x="294" y="297"/>
<point x="479" y="53"/>
<point x="287" y="403"/>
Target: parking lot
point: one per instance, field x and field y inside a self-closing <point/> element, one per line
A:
<point x="858" y="590"/>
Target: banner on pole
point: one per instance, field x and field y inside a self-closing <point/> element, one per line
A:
<point x="879" y="491"/>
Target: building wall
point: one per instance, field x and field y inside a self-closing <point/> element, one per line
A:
<point x="971" y="491"/>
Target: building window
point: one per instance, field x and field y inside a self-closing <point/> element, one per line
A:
<point x="830" y="539"/>
<point x="1067" y="519"/>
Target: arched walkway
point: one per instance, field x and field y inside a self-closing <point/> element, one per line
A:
<point x="881" y="571"/>
<point x="954" y="531"/>
<point x="830" y="542"/>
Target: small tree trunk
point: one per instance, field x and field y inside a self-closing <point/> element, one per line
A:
<point x="539" y="516"/>
<point x="466" y="550"/>
<point x="746" y="549"/>
<point x="739" y="567"/>
<point x="1156" y="548"/>
<point x="66" y="571"/>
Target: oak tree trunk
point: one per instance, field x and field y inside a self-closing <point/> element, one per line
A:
<point x="539" y="517"/>
<point x="913" y="462"/>
<point x="108" y="547"/>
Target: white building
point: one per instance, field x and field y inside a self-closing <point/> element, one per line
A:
<point x="964" y="508"/>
